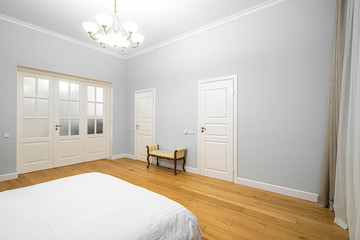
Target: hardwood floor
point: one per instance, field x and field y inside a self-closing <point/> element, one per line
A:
<point x="225" y="210"/>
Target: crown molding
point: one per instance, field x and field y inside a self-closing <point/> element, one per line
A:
<point x="233" y="17"/>
<point x="56" y="34"/>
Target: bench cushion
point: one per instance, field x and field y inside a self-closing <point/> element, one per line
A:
<point x="166" y="154"/>
<point x="162" y="153"/>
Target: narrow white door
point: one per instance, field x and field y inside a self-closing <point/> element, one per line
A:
<point x="216" y="128"/>
<point x="69" y="143"/>
<point x="34" y="120"/>
<point x="144" y="122"/>
<point x="96" y="127"/>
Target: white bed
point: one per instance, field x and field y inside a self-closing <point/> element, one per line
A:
<point x="93" y="206"/>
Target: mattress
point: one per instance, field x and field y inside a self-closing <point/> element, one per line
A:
<point x="93" y="206"/>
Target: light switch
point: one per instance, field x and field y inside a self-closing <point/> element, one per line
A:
<point x="191" y="132"/>
<point x="6" y="135"/>
<point x="185" y="132"/>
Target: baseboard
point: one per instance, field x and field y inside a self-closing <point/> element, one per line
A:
<point x="278" y="189"/>
<point x="339" y="222"/>
<point x="117" y="156"/>
<point x="8" y="176"/>
<point x="130" y="156"/>
<point x="124" y="155"/>
<point x="192" y="170"/>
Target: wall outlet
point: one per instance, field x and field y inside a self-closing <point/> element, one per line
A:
<point x="6" y="135"/>
<point x="190" y="132"/>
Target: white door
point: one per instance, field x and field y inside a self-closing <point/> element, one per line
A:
<point x="61" y="121"/>
<point x="96" y="119"/>
<point x="216" y="128"/>
<point x="144" y="122"/>
<point x="34" y="121"/>
<point x="69" y="134"/>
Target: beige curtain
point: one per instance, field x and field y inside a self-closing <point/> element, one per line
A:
<point x="327" y="183"/>
<point x="347" y="181"/>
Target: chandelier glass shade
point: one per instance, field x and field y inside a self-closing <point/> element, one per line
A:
<point x="109" y="32"/>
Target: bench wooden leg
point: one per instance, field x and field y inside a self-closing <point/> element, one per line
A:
<point x="184" y="164"/>
<point x="175" y="167"/>
<point x="148" y="161"/>
<point x="157" y="161"/>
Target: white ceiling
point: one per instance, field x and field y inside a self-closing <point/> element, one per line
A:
<point x="158" y="20"/>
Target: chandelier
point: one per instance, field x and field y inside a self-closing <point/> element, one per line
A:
<point x="112" y="34"/>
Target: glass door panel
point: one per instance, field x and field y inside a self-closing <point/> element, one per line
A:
<point x="36" y="109"/>
<point x="95" y="109"/>
<point x="35" y="118"/>
<point x="69" y="123"/>
<point x="96" y="141"/>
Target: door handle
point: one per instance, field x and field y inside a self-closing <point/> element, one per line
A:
<point x="203" y="129"/>
<point x="137" y="126"/>
<point x="57" y="126"/>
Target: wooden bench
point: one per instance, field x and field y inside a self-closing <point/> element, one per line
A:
<point x="178" y="154"/>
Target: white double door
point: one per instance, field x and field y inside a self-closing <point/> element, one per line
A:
<point x="61" y="121"/>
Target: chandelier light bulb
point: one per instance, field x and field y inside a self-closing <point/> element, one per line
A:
<point x="137" y="37"/>
<point x="104" y="39"/>
<point x="104" y="20"/>
<point x="90" y="27"/>
<point x="114" y="39"/>
<point x="130" y="27"/>
<point x="98" y="36"/>
<point x="124" y="43"/>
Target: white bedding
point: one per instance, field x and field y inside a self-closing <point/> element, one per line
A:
<point x="93" y="206"/>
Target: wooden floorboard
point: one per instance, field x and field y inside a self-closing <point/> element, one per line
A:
<point x="225" y="210"/>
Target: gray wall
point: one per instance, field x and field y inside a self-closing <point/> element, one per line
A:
<point x="282" y="57"/>
<point x="22" y="46"/>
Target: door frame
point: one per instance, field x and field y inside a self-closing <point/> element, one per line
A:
<point x="235" y="121"/>
<point x="153" y="90"/>
<point x="108" y="92"/>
